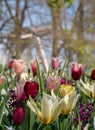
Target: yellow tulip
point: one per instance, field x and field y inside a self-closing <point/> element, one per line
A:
<point x="66" y="89"/>
<point x="88" y="89"/>
<point x="68" y="93"/>
<point x="69" y="103"/>
<point x="50" y="108"/>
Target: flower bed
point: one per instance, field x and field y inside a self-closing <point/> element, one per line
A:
<point x="59" y="97"/>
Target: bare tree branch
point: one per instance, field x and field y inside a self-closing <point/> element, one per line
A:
<point x="23" y="11"/>
<point x="9" y="9"/>
<point x="4" y="23"/>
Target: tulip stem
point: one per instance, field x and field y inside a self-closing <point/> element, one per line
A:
<point x="46" y="128"/>
<point x="59" y="122"/>
<point x="16" y="127"/>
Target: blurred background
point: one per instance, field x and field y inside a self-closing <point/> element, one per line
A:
<point x="60" y="28"/>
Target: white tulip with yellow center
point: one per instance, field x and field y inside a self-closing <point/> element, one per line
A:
<point x="50" y="108"/>
<point x="70" y="98"/>
<point x="69" y="103"/>
<point x="88" y="89"/>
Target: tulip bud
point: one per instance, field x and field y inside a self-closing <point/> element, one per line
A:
<point x="2" y="79"/>
<point x="93" y="75"/>
<point x="56" y="63"/>
<point x="31" y="88"/>
<point x="18" y="65"/>
<point x="19" y="115"/>
<point x="77" y="70"/>
<point x="66" y="89"/>
<point x="63" y="81"/>
<point x="71" y="83"/>
<point x="10" y="63"/>
<point x="34" y="67"/>
<point x="20" y="93"/>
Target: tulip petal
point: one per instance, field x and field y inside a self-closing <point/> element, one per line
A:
<point x="87" y="91"/>
<point x="76" y="97"/>
<point x="56" y="110"/>
<point x="53" y="95"/>
<point x="32" y="105"/>
<point x="93" y="90"/>
<point x="65" y="104"/>
<point x="45" y="108"/>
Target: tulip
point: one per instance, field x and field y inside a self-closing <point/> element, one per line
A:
<point x="69" y="103"/>
<point x="56" y="62"/>
<point x="52" y="83"/>
<point x="71" y="83"/>
<point x="10" y="62"/>
<point x="31" y="88"/>
<point x="87" y="88"/>
<point x="93" y="75"/>
<point x="77" y="70"/>
<point x="19" y="115"/>
<point x="66" y="89"/>
<point x="34" y="67"/>
<point x="20" y="93"/>
<point x="63" y="81"/>
<point x="49" y="110"/>
<point x="2" y="79"/>
<point x="18" y="66"/>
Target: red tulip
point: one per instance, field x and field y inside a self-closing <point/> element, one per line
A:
<point x="77" y="70"/>
<point x="56" y="62"/>
<point x="93" y="75"/>
<point x="34" y="67"/>
<point x="31" y="88"/>
<point x="19" y="115"/>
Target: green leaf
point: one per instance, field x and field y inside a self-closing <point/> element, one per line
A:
<point x="2" y="107"/>
<point x="1" y="68"/>
<point x="41" y="83"/>
<point x="32" y="120"/>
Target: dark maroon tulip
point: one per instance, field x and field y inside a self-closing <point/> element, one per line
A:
<point x="77" y="70"/>
<point x="93" y="75"/>
<point x="63" y="81"/>
<point x="19" y="115"/>
<point x="31" y="88"/>
<point x="34" y="67"/>
<point x="10" y="63"/>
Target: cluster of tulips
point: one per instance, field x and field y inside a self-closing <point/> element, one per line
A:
<point x="33" y="98"/>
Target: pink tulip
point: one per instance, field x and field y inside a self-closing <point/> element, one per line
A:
<point x="33" y="67"/>
<point x="18" y="65"/>
<point x="20" y="92"/>
<point x="52" y="83"/>
<point x="2" y="79"/>
<point x="19" y="115"/>
<point x="56" y="62"/>
<point x="77" y="70"/>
